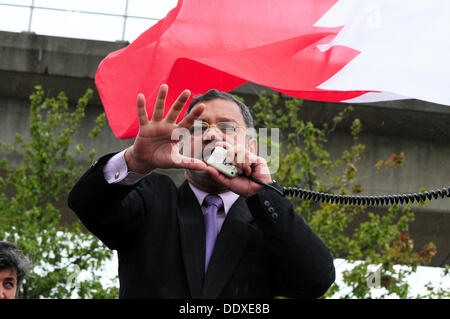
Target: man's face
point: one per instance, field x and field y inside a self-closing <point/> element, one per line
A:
<point x="224" y="113"/>
<point x="8" y="283"/>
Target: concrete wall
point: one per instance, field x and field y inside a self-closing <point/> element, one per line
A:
<point x="419" y="129"/>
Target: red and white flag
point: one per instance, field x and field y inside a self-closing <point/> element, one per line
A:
<point x="326" y="50"/>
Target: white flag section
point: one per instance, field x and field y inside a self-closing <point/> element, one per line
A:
<point x="404" y="49"/>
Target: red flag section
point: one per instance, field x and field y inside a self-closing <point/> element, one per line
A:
<point x="222" y="44"/>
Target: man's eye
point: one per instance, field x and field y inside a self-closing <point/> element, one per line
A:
<point x="9" y="284"/>
<point x="199" y="128"/>
<point x="226" y="127"/>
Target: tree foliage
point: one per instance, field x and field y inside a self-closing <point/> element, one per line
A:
<point x="29" y="192"/>
<point x="380" y="239"/>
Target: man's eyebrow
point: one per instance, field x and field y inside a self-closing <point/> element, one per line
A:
<point x="220" y="119"/>
<point x="225" y="119"/>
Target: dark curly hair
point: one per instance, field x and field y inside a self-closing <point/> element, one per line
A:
<point x="12" y="257"/>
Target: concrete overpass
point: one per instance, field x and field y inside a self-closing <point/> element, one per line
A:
<point x="421" y="130"/>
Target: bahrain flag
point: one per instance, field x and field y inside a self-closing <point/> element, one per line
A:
<point x="326" y="50"/>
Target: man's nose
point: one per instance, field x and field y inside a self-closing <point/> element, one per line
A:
<point x="2" y="293"/>
<point x="213" y="133"/>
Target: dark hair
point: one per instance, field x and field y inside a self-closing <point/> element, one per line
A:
<point x="12" y="257"/>
<point x="216" y="94"/>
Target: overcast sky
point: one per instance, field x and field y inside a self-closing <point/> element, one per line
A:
<point x="75" y="18"/>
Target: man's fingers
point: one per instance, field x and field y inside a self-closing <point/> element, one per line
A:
<point x="239" y="156"/>
<point x="158" y="110"/>
<point x="188" y="121"/>
<point x="141" y="111"/>
<point x="231" y="155"/>
<point x="177" y="106"/>
<point x="234" y="153"/>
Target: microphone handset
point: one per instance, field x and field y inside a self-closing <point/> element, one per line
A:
<point x="218" y="161"/>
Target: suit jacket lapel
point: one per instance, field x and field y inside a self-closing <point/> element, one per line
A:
<point x="230" y="245"/>
<point x="192" y="233"/>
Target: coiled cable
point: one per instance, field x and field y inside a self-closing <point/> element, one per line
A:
<point x="355" y="199"/>
<point x="365" y="200"/>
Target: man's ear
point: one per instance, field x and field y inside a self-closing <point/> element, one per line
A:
<point x="253" y="145"/>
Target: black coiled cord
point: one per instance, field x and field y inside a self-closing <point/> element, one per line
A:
<point x="365" y="200"/>
<point x="357" y="200"/>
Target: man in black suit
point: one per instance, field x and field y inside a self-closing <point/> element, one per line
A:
<point x="168" y="245"/>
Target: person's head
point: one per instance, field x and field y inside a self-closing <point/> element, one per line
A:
<point x="224" y="118"/>
<point x="215" y="94"/>
<point x="13" y="269"/>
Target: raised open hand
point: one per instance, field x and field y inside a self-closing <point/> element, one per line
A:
<point x="154" y="146"/>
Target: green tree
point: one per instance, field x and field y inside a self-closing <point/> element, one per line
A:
<point x="382" y="239"/>
<point x="29" y="193"/>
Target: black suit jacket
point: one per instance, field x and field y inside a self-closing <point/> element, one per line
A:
<point x="264" y="248"/>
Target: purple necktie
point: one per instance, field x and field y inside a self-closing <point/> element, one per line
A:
<point x="213" y="204"/>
